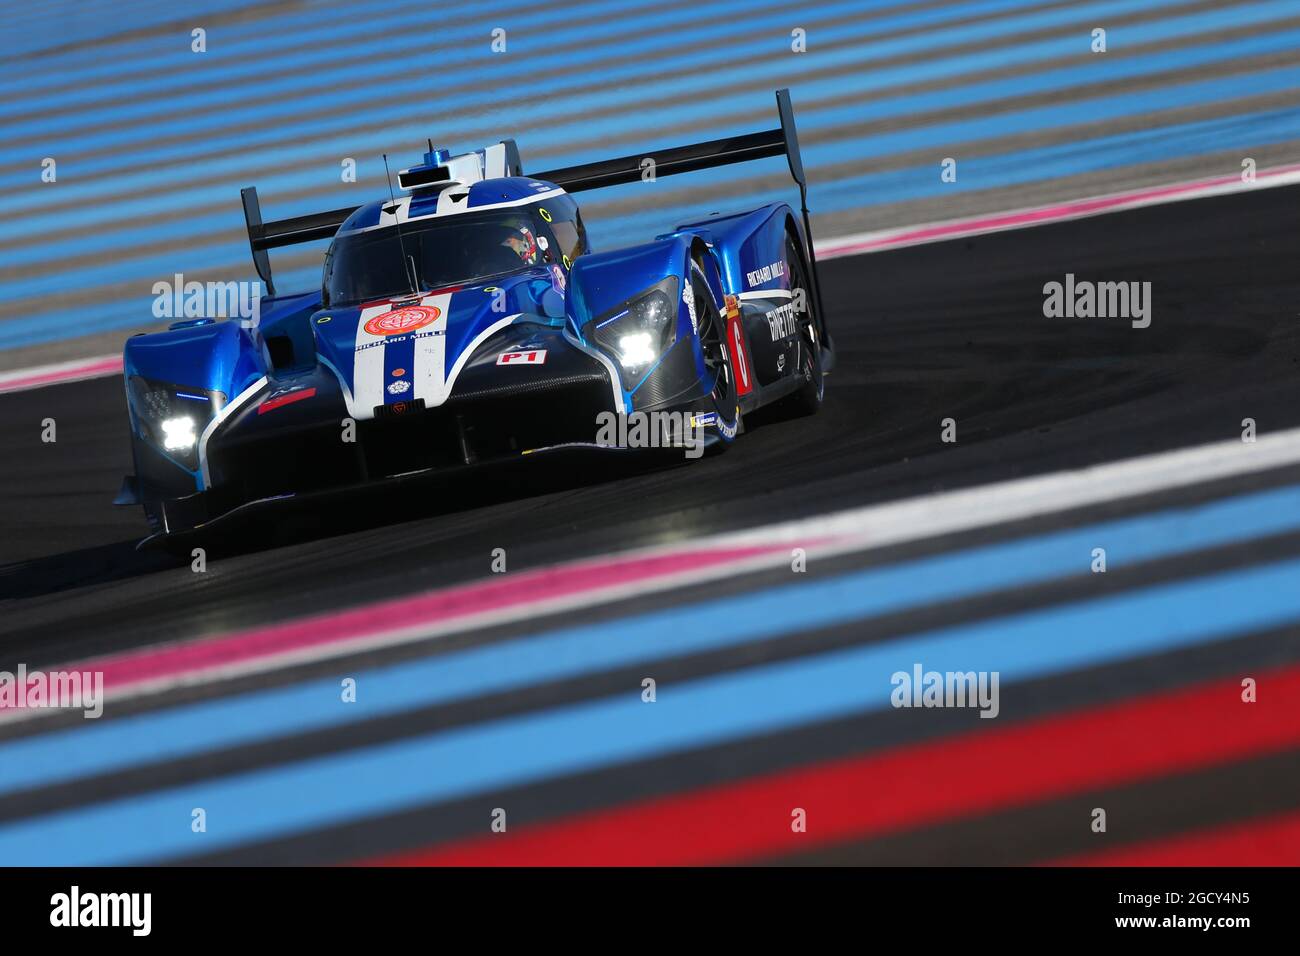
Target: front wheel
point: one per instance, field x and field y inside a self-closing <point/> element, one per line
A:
<point x="719" y="372"/>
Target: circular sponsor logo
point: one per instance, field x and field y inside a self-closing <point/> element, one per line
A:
<point x="402" y="320"/>
<point x="398" y="387"/>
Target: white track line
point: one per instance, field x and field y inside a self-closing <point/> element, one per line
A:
<point x="1026" y="218"/>
<point x="945" y="513"/>
<point x="854" y="530"/>
<point x="76" y="370"/>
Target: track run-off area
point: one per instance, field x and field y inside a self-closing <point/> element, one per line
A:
<point x="770" y="594"/>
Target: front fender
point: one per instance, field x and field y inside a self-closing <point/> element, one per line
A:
<point x="600" y="282"/>
<point x="217" y="356"/>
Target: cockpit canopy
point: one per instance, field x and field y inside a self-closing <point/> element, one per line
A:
<point x="373" y="263"/>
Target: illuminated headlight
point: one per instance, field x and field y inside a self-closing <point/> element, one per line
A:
<point x="638" y="334"/>
<point x="178" y="434"/>
<point x="637" y="350"/>
<point x="171" y="417"/>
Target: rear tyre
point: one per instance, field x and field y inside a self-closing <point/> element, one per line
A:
<point x="808" y="399"/>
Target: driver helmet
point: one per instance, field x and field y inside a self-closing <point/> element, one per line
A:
<point x="519" y="239"/>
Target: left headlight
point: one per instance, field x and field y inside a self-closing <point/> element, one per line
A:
<point x="172" y="417"/>
<point x="640" y="332"/>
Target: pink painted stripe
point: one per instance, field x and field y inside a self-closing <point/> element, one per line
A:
<point x="540" y="588"/>
<point x="1044" y="214"/>
<point x="830" y="249"/>
<point x="54" y="374"/>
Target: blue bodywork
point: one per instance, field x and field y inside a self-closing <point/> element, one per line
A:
<point x="247" y="391"/>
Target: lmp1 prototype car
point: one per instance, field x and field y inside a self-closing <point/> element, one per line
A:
<point x="467" y="321"/>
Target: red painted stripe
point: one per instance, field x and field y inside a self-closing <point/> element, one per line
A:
<point x="273" y="403"/>
<point x="1270" y="841"/>
<point x="908" y="787"/>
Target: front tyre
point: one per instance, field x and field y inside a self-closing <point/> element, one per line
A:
<point x="719" y="374"/>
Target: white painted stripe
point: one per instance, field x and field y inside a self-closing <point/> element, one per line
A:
<point x="860" y="530"/>
<point x="239" y="401"/>
<point x="944" y="513"/>
<point x="368" y="364"/>
<point x="468" y="353"/>
<point x="494" y="162"/>
<point x="57" y="373"/>
<point x="429" y="367"/>
<point x="618" y="405"/>
<point x="451" y="201"/>
<point x="401" y="212"/>
<point x="854" y="530"/>
<point x="387" y="221"/>
<point x="766" y="294"/>
<point x="943" y="230"/>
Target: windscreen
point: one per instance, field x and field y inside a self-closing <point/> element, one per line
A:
<point x="447" y="251"/>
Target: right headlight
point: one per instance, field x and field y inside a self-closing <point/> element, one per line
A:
<point x="640" y="332"/>
<point x="172" y="417"/>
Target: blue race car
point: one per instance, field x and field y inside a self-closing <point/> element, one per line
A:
<point x="468" y="321"/>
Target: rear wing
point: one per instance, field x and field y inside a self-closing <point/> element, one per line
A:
<point x="284" y="232"/>
<point x="778" y="141"/>
<point x="322" y="225"/>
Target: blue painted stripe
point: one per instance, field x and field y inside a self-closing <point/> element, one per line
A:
<point x="454" y="49"/>
<point x="94" y="184"/>
<point x="516" y="751"/>
<point x="97" y="747"/>
<point x="1246" y="131"/>
<point x="627" y="83"/>
<point x="285" y="141"/>
<point x="813" y="117"/>
<point x="81" y="22"/>
<point x="99" y="211"/>
<point x="148" y="267"/>
<point x="326" y="31"/>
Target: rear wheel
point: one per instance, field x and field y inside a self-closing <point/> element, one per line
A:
<point x="808" y="399"/>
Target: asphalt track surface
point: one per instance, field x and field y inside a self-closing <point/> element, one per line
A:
<point x="950" y="330"/>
